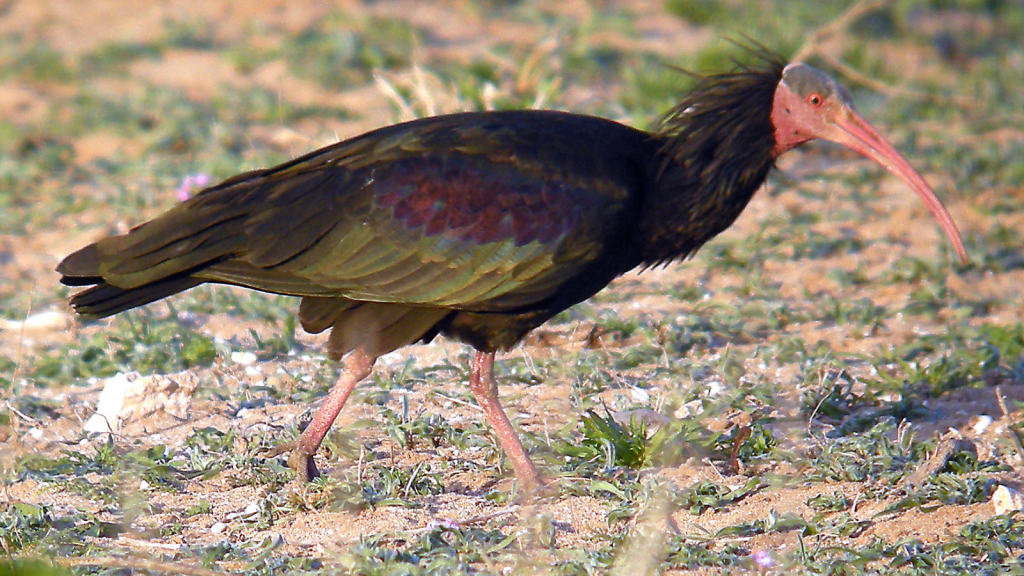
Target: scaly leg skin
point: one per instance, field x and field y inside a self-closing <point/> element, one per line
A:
<point x="358" y="366"/>
<point x="485" y="390"/>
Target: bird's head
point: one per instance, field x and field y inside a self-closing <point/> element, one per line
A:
<point x="810" y="104"/>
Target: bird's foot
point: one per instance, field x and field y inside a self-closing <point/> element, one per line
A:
<point x="302" y="463"/>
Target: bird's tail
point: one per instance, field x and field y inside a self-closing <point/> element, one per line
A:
<point x="157" y="259"/>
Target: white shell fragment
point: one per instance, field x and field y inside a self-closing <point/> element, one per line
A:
<point x="243" y="358"/>
<point x="129" y="397"/>
<point x="981" y="423"/>
<point x="1005" y="499"/>
<point x="38" y="322"/>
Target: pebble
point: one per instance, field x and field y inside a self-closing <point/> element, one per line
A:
<point x="218" y="527"/>
<point x="40" y="321"/>
<point x="243" y="358"/>
<point x="692" y="408"/>
<point x="1005" y="499"/>
<point x="252" y="509"/>
<point x="108" y="408"/>
<point x="639" y="395"/>
<point x="981" y="423"/>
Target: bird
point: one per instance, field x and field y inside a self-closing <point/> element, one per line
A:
<point x="480" y="226"/>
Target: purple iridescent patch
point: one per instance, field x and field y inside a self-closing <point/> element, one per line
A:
<point x="461" y="199"/>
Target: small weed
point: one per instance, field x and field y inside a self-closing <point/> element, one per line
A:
<point x="707" y="495"/>
<point x="834" y="502"/>
<point x="613" y="443"/>
<point x="870" y="456"/>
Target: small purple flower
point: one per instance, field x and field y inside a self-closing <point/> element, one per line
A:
<point x="190" y="183"/>
<point x="763" y="559"/>
<point x="447" y="523"/>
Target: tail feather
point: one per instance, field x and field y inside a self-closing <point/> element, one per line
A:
<point x="159" y="258"/>
<point x="81" y="268"/>
<point x="104" y="300"/>
<point x="143" y="254"/>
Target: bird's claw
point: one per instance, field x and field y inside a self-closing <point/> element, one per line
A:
<point x="302" y="463"/>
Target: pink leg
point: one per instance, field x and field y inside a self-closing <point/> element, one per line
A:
<point x="358" y="366"/>
<point x="485" y="390"/>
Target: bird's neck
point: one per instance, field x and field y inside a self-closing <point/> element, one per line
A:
<point x="715" y="152"/>
<point x="688" y="208"/>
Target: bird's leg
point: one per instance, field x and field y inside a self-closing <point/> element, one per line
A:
<point x="358" y="366"/>
<point x="485" y="390"/>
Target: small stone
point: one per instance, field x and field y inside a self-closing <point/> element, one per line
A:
<point x="690" y="409"/>
<point x="109" y="406"/>
<point x="251" y="510"/>
<point x="143" y="485"/>
<point x="131" y="397"/>
<point x="218" y="528"/>
<point x="243" y="358"/>
<point x="890" y="397"/>
<point x="1005" y="500"/>
<point x="639" y="395"/>
<point x="980" y="423"/>
<point x="38" y="322"/>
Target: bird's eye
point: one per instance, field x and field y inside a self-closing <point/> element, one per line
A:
<point x="814" y="99"/>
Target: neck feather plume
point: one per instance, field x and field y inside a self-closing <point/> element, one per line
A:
<point x="716" y="151"/>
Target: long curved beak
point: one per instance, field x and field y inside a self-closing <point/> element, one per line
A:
<point x="853" y="131"/>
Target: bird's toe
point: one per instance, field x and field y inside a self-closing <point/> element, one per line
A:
<point x="303" y="465"/>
